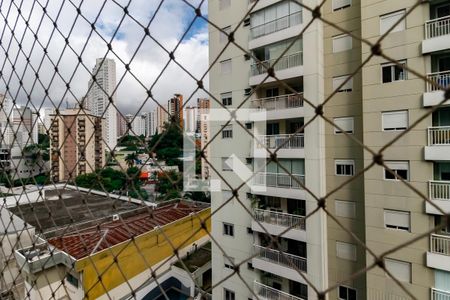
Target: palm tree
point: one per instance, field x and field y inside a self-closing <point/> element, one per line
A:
<point x="130" y="159"/>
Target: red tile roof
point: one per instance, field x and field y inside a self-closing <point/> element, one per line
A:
<point x="90" y="240"/>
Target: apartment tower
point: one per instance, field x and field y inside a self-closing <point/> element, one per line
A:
<point x="102" y="96"/>
<point x="76" y="144"/>
<point x="175" y="108"/>
<point x="374" y="106"/>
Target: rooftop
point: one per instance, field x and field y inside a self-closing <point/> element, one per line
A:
<point x="197" y="259"/>
<point x="62" y="207"/>
<point x="85" y="242"/>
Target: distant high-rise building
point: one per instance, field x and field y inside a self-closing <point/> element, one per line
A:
<point x="137" y="124"/>
<point x="98" y="98"/>
<point x="121" y="124"/>
<point x="190" y="119"/>
<point x="45" y="117"/>
<point x="76" y="144"/>
<point x="175" y="108"/>
<point x="18" y="125"/>
<point x="162" y="117"/>
<point x="150" y="123"/>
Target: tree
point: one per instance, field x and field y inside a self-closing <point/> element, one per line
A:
<point x="110" y="180"/>
<point x="169" y="188"/>
<point x="168" y="145"/>
<point x="43" y="141"/>
<point x="130" y="159"/>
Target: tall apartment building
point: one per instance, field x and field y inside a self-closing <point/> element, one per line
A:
<point x="190" y="119"/>
<point x="121" y="124"/>
<point x="162" y="116"/>
<point x="378" y="103"/>
<point x="150" y="123"/>
<point x="98" y="98"/>
<point x="175" y="108"/>
<point x="76" y="145"/>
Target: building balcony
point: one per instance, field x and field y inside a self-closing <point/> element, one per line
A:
<point x="434" y="94"/>
<point x="277" y="30"/>
<point x="438" y="148"/>
<point x="437" y="294"/>
<point x="288" y="66"/>
<point x="279" y="180"/>
<point x="279" y="263"/>
<point x="280" y="107"/>
<point x="278" y="185"/>
<point x="288" y="145"/>
<point x="436" y="35"/>
<point x="276" y="25"/>
<point x="276" y="223"/>
<point x="269" y="293"/>
<point x="439" y="193"/>
<point x="439" y="255"/>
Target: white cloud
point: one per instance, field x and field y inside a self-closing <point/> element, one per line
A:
<point x="148" y="62"/>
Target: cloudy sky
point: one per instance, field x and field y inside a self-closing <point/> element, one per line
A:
<point x="148" y="58"/>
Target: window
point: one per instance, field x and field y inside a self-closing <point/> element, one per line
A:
<point x="224" y="4"/>
<point x="228" y="262"/>
<point x="399" y="269"/>
<point x="400" y="168"/>
<point x="341" y="4"/>
<point x="346" y="251"/>
<point x="345" y="123"/>
<point x="227" y="163"/>
<point x="227" y="98"/>
<point x="249" y="125"/>
<point x="250" y="266"/>
<point x="347" y="87"/>
<point x="228" y="295"/>
<point x="345" y="209"/>
<point x="225" y="67"/>
<point x="228" y="229"/>
<point x="388" y="20"/>
<point x="395" y="120"/>
<point x="342" y="42"/>
<point x="391" y="72"/>
<point x="345" y="167"/>
<point x="247" y="91"/>
<point x="248" y="161"/>
<point x="224" y="34"/>
<point x="395" y="219"/>
<point x="227" y="132"/>
<point x="346" y="293"/>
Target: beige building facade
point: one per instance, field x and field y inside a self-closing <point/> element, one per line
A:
<point x="377" y="104"/>
<point x="76" y="145"/>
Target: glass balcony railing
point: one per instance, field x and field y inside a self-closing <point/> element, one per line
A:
<point x="279" y="180"/>
<point x="276" y="25"/>
<point x="285" y="62"/>
<point x="280" y="219"/>
<point x="279" y="102"/>
<point x="281" y="141"/>
<point x="269" y="293"/>
<point x="280" y="258"/>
